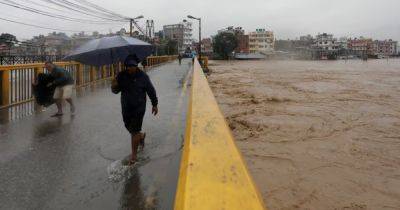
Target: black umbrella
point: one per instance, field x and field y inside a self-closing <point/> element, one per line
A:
<point x="110" y="50"/>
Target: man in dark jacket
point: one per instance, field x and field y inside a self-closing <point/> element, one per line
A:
<point x="134" y="84"/>
<point x="63" y="83"/>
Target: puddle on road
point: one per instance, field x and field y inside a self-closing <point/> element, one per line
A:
<point x="118" y="171"/>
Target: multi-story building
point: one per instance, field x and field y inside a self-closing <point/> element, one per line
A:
<point x="326" y="42"/>
<point x="243" y="44"/>
<point x="181" y="32"/>
<point x="206" y="46"/>
<point x="360" y="46"/>
<point x="57" y="44"/>
<point x="325" y="46"/>
<point x="343" y="43"/>
<point x="261" y="41"/>
<point x="386" y="48"/>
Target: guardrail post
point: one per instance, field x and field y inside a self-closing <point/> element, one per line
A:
<point x="5" y="87"/>
<point x="79" y="74"/>
<point x="110" y="70"/>
<point x="92" y="73"/>
<point x="104" y="71"/>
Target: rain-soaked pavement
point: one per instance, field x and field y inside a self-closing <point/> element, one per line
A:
<point x="65" y="163"/>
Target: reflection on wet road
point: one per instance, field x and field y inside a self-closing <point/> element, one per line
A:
<point x="48" y="163"/>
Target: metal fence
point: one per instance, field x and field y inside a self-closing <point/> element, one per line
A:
<point x="16" y="80"/>
<point x="26" y="59"/>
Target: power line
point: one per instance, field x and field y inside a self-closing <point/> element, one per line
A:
<point x="83" y="10"/>
<point x="43" y="5"/>
<point x="30" y="9"/>
<point x="101" y="8"/>
<point x="88" y="9"/>
<point x="43" y="27"/>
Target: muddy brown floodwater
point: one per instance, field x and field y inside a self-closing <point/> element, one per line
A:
<point x="316" y="134"/>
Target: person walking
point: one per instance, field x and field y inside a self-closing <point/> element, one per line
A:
<point x="64" y="84"/>
<point x="134" y="84"/>
<point x="180" y="58"/>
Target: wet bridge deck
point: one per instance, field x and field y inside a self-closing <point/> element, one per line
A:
<point x="51" y="163"/>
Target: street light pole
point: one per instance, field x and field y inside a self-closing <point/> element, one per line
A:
<point x="200" y="38"/>
<point x="199" y="19"/>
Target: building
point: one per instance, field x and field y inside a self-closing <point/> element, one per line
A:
<point x="57" y="44"/>
<point x="207" y="47"/>
<point x="4" y="49"/>
<point x="261" y="41"/>
<point x="343" y="43"/>
<point x="384" y="48"/>
<point x="243" y="44"/>
<point x="326" y="42"/>
<point x="181" y="32"/>
<point x="361" y="47"/>
<point x="325" y="46"/>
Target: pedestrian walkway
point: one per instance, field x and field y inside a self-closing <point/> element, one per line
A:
<point x="50" y="163"/>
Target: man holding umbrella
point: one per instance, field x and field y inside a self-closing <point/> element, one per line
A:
<point x="134" y="84"/>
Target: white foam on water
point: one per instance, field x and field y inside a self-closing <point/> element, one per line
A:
<point x="118" y="172"/>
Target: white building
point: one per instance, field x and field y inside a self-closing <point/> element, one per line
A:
<point x="326" y="42"/>
<point x="261" y="41"/>
<point x="181" y="32"/>
<point x="342" y="43"/>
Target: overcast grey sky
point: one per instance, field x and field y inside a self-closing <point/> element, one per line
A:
<point x="379" y="19"/>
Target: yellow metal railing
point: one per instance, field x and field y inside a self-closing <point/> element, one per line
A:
<point x="213" y="174"/>
<point x="16" y="80"/>
<point x="155" y="60"/>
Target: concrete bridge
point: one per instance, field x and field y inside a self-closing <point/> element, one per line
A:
<point x="64" y="163"/>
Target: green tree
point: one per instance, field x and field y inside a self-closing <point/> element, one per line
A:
<point x="8" y="39"/>
<point x="224" y="44"/>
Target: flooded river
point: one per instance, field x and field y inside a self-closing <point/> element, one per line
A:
<point x="316" y="134"/>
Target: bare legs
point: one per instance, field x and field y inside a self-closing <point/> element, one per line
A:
<point x="71" y="103"/>
<point x="60" y="108"/>
<point x="135" y="141"/>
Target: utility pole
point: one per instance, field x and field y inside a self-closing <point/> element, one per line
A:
<point x="200" y="38"/>
<point x="131" y="28"/>
<point x="199" y="19"/>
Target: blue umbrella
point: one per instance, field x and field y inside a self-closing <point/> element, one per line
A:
<point x="110" y="50"/>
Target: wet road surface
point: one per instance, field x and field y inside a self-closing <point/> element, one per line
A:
<point x="50" y="163"/>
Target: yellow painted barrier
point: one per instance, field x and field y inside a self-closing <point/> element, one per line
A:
<point x="213" y="174"/>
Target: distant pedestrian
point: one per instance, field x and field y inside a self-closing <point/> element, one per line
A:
<point x="180" y="59"/>
<point x="134" y="84"/>
<point x="63" y="83"/>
